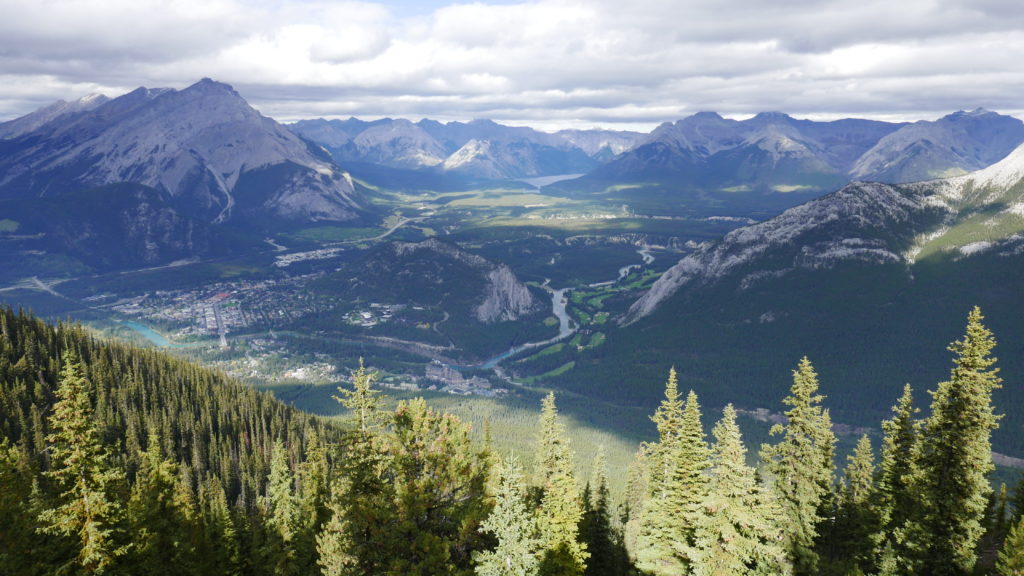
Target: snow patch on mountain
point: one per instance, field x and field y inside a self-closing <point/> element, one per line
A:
<point x="975" y="248"/>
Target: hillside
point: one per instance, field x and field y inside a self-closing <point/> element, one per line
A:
<point x="868" y="281"/>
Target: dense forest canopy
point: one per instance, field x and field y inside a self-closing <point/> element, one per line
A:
<point x="120" y="460"/>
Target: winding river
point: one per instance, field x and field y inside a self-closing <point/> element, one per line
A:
<point x="566" y="326"/>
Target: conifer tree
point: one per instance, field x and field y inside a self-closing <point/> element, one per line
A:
<point x="560" y="508"/>
<point x="857" y="521"/>
<point x="894" y="498"/>
<point x="18" y="543"/>
<point x="658" y="523"/>
<point x="280" y="508"/>
<point x="955" y="457"/>
<point x="161" y="541"/>
<point x="439" y="493"/>
<point x="362" y="501"/>
<point x="513" y="526"/>
<point x="634" y="503"/>
<point x="738" y="531"/>
<point x="313" y="497"/>
<point x="801" y="468"/>
<point x="604" y="543"/>
<point x="1017" y="500"/>
<point x="219" y="553"/>
<point x="88" y="510"/>
<point x="334" y="544"/>
<point x="1010" y="560"/>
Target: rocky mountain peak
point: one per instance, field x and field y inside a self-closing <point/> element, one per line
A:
<point x="195" y="144"/>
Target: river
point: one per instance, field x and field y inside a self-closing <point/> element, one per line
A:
<point x="566" y="326"/>
<point x="153" y="336"/>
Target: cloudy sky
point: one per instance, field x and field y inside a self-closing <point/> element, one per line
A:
<point x="545" y="63"/>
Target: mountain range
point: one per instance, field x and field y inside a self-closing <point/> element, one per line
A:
<point x="479" y="149"/>
<point x="870" y="282"/>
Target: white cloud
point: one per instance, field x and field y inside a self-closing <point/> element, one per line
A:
<point x="550" y="62"/>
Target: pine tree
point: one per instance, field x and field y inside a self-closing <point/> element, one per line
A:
<point x="219" y="553"/>
<point x="513" y="526"/>
<point x="362" y="501"/>
<point x="439" y="493"/>
<point x="1017" y="501"/>
<point x="801" y="467"/>
<point x="560" y="508"/>
<point x="955" y="457"/>
<point x="604" y="543"/>
<point x="857" y="521"/>
<point x="659" y="523"/>
<point x="738" y="532"/>
<point x="280" y="508"/>
<point x="160" y="536"/>
<point x="88" y="508"/>
<point x="334" y="544"/>
<point x="313" y="497"/>
<point x="894" y="498"/>
<point x="18" y="544"/>
<point x="362" y="400"/>
<point x="1010" y="561"/>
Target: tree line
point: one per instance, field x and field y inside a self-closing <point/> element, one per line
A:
<point x="118" y="460"/>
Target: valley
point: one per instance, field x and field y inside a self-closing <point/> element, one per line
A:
<point x="495" y="263"/>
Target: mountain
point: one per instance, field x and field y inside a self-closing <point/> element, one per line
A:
<point x="865" y="222"/>
<point x="602" y="145"/>
<point x="47" y="114"/>
<point x="215" y="157"/>
<point x="770" y="150"/>
<point x="870" y="282"/>
<point x="433" y="271"/>
<point x="477" y="149"/>
<point x="955" y="144"/>
<point x="435" y="293"/>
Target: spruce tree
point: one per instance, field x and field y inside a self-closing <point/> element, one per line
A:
<point x="660" y="520"/>
<point x="1010" y="560"/>
<point x="513" y="526"/>
<point x="560" y="508"/>
<point x="801" y="469"/>
<point x="362" y="501"/>
<point x="439" y="493"/>
<point x="88" y="509"/>
<point x="894" y="498"/>
<point x="280" y="509"/>
<point x="161" y="542"/>
<point x="604" y="543"/>
<point x="737" y="532"/>
<point x="219" y="553"/>
<point x="857" y="518"/>
<point x="334" y="544"/>
<point x="955" y="457"/>
<point x="19" y="546"/>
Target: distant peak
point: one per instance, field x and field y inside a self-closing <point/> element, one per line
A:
<point x="976" y="113"/>
<point x="772" y="116"/>
<point x="208" y="84"/>
<point x="707" y="115"/>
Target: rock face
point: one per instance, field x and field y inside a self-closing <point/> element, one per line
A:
<point x="214" y="156"/>
<point x="863" y="222"/>
<point x="495" y="294"/>
<point x="506" y="297"/>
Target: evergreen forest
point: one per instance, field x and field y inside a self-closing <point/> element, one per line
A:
<point x="126" y="461"/>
